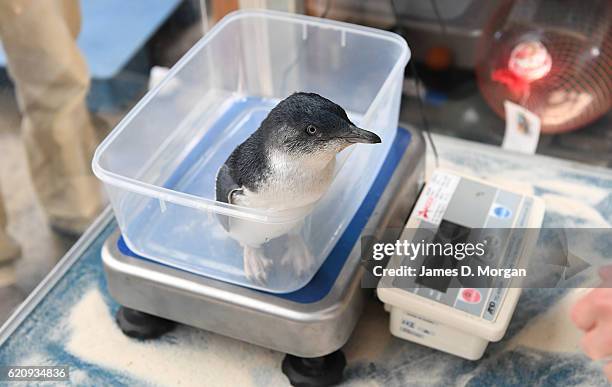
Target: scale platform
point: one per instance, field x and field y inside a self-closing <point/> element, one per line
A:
<point x="311" y="322"/>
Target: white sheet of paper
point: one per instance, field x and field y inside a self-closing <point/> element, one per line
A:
<point x="522" y="129"/>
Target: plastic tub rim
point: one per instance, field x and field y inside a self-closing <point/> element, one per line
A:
<point x="180" y="198"/>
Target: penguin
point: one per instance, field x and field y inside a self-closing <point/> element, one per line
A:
<point x="287" y="163"/>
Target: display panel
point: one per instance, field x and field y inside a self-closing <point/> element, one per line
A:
<point x="448" y="232"/>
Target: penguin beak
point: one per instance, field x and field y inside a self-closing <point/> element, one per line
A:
<point x="358" y="135"/>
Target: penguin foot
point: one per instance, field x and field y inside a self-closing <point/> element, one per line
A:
<point x="256" y="265"/>
<point x="298" y="256"/>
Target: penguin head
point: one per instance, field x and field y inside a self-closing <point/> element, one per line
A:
<point x="307" y="123"/>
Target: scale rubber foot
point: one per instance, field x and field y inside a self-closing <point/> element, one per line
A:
<point x="140" y="325"/>
<point x="315" y="372"/>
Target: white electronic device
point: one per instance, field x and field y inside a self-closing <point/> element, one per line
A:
<point x="455" y="314"/>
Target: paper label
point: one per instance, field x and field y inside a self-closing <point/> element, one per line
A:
<point x="434" y="199"/>
<point x="522" y="129"/>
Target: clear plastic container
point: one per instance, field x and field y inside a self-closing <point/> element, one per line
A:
<point x="159" y="164"/>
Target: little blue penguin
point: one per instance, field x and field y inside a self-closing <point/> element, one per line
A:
<point x="287" y="163"/>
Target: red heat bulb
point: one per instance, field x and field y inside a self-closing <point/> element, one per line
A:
<point x="554" y="60"/>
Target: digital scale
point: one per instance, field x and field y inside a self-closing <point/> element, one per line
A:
<point x="461" y="314"/>
<point x="310" y="324"/>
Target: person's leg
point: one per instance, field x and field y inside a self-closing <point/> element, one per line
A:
<point x="51" y="80"/>
<point x="9" y="249"/>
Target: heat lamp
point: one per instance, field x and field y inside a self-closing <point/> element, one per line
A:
<point x="552" y="57"/>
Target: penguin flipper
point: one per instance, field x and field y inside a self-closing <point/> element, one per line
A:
<point x="226" y="188"/>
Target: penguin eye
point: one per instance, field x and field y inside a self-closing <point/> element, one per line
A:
<point x="311" y="130"/>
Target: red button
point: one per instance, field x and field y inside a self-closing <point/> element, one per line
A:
<point x="470" y="295"/>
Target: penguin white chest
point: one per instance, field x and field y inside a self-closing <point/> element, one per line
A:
<point x="292" y="181"/>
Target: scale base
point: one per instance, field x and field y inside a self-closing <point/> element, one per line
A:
<point x="311" y="324"/>
<point x="140" y="325"/>
<point x="318" y="371"/>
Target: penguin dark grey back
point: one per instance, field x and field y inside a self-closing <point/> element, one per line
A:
<point x="288" y="162"/>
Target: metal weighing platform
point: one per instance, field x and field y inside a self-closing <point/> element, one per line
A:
<point x="311" y="322"/>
